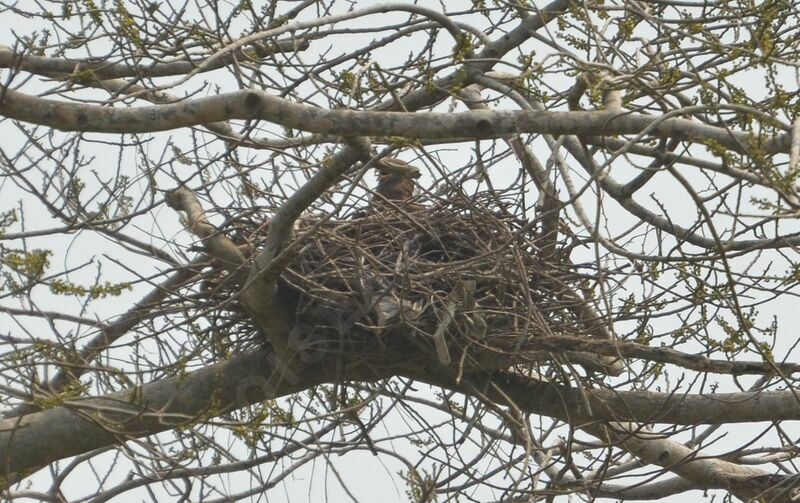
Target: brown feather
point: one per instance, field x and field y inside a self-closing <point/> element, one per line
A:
<point x="395" y="181"/>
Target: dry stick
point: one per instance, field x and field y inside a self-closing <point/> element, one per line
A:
<point x="217" y="244"/>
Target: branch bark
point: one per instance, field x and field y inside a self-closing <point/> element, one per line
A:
<point x="103" y="70"/>
<point x="254" y="104"/>
<point x="82" y="425"/>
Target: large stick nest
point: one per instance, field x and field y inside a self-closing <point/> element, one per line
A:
<point x="465" y="268"/>
<point x="466" y="271"/>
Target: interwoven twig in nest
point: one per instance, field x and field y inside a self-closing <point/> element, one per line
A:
<point x="460" y="273"/>
<point x="396" y="267"/>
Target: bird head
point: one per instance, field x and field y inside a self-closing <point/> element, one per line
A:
<point x="395" y="179"/>
<point x="392" y="166"/>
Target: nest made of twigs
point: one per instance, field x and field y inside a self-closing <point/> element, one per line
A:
<point x="463" y="272"/>
<point x="465" y="267"/>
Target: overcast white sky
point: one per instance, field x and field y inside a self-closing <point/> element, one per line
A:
<point x="366" y="477"/>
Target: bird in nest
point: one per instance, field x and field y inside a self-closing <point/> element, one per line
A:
<point x="396" y="184"/>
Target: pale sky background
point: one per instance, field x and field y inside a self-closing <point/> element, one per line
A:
<point x="367" y="477"/>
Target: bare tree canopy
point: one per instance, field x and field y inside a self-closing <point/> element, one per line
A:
<point x="436" y="251"/>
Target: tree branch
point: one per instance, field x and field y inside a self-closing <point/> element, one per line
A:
<point x="259" y="295"/>
<point x="217" y="244"/>
<point x="255" y="104"/>
<point x="103" y="70"/>
<point x="82" y="425"/>
<point x="110" y="333"/>
<point x="580" y="406"/>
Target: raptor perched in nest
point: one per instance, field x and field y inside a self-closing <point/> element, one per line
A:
<point x="395" y="182"/>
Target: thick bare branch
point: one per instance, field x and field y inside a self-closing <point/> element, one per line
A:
<point x="583" y="406"/>
<point x="79" y="426"/>
<point x="85" y="69"/>
<point x="83" y="425"/>
<point x="254" y="104"/>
